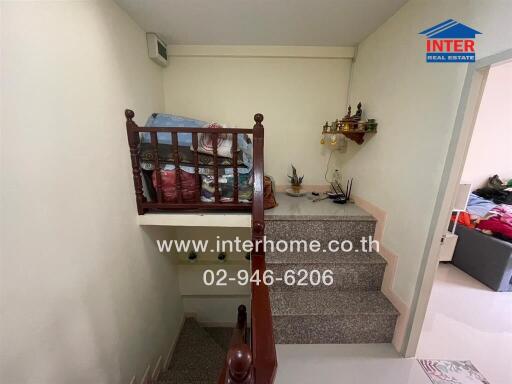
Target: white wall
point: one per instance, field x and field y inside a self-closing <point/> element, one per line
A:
<point x="415" y="103"/>
<point x="85" y="297"/>
<point x="490" y="149"/>
<point x="212" y="305"/>
<point x="295" y="94"/>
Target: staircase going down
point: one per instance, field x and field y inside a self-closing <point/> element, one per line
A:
<point x="199" y="355"/>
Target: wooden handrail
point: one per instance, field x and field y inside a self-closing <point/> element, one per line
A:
<point x="193" y="130"/>
<point x="263" y="345"/>
<point x="258" y="364"/>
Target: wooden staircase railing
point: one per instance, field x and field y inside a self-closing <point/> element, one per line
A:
<point x="255" y="363"/>
<point x="239" y="368"/>
<point x="181" y="200"/>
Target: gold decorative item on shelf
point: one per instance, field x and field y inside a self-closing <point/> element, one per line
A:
<point x="351" y="126"/>
<point x="324" y="132"/>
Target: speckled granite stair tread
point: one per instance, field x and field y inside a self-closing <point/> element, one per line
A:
<point x="221" y="335"/>
<point x="351" y="271"/>
<point x="346" y="277"/>
<point x="324" y="258"/>
<point x="319" y="230"/>
<point x="331" y="303"/>
<point x="332" y="317"/>
<point x="303" y="208"/>
<point x="194" y="345"/>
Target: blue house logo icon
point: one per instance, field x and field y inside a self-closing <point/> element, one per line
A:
<point x="450" y="42"/>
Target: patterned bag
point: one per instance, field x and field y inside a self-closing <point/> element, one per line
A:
<point x="224" y="142"/>
<point x="269" y="200"/>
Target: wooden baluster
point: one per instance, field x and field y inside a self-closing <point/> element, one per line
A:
<point x="258" y="222"/>
<point x="215" y="167"/>
<point x="177" y="166"/>
<point x="196" y="167"/>
<point x="133" y="142"/>
<point x="158" y="174"/>
<point x="234" y="149"/>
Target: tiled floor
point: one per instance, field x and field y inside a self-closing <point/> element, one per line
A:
<point x="346" y="364"/>
<point x="465" y="321"/>
<point x="468" y="321"/>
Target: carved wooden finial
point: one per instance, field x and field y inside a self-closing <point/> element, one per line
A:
<point x="129" y="114"/>
<point x="258" y="118"/>
<point x="239" y="362"/>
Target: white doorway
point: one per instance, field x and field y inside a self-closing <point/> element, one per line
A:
<point x="475" y="82"/>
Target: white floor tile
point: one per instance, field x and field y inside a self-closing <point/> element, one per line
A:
<point x="346" y="364"/>
<point x="467" y="321"/>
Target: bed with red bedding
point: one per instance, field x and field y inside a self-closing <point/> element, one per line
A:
<point x="484" y="245"/>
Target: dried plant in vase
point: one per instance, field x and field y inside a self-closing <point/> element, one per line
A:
<point x="295" y="180"/>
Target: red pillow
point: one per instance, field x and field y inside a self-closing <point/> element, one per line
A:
<point x="169" y="193"/>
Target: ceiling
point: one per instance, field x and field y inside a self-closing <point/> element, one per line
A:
<point x="261" y="22"/>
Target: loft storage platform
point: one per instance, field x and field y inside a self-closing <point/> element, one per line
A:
<point x="197" y="219"/>
<point x="289" y="208"/>
<point x="199" y="174"/>
<point x="185" y="165"/>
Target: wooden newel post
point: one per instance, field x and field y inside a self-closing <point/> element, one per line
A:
<point x="258" y="220"/>
<point x="239" y="362"/>
<point x="133" y="142"/>
<point x="239" y="358"/>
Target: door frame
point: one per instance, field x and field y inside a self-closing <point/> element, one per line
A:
<point x="471" y="96"/>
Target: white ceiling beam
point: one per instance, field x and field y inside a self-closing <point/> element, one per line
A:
<point x="277" y="51"/>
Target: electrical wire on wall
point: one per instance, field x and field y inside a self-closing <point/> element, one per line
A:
<point x="350" y="75"/>
<point x="327" y="168"/>
<point x="344" y="145"/>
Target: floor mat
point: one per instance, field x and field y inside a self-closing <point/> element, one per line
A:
<point x="452" y="372"/>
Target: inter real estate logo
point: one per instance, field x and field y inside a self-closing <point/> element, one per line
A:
<point x="450" y="42"/>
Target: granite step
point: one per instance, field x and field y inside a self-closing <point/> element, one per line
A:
<point x="332" y="317"/>
<point x="351" y="271"/>
<point x="322" y="230"/>
<point x="221" y="335"/>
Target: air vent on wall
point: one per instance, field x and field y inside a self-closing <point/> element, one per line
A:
<point x="157" y="49"/>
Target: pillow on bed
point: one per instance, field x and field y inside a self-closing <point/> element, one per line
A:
<point x="167" y="120"/>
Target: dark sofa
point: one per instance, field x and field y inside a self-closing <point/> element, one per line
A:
<point x="486" y="258"/>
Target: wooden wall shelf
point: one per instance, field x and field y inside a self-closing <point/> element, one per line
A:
<point x="350" y="126"/>
<point x="356" y="136"/>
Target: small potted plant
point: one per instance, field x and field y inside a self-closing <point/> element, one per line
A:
<point x="295" y="180"/>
